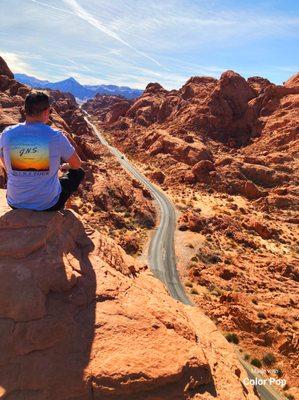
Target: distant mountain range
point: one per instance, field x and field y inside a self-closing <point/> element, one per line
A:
<point x="81" y="92"/>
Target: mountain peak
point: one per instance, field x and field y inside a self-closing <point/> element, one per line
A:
<point x="80" y="91"/>
<point x="71" y="79"/>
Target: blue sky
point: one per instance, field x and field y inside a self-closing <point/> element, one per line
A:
<point x="134" y="42"/>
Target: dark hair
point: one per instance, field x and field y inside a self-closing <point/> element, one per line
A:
<point x="36" y="103"/>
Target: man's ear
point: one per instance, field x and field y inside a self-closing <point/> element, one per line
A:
<point x="46" y="114"/>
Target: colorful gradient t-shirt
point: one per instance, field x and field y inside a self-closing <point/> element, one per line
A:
<point x="32" y="154"/>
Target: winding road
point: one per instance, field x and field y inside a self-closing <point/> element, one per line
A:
<point x="161" y="254"/>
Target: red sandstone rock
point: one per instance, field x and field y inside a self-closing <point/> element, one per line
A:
<point x="203" y="167"/>
<point x="261" y="228"/>
<point x="192" y="221"/>
<point x="79" y="316"/>
<point x="107" y="108"/>
<point x="4" y="70"/>
<point x="157" y="176"/>
<point x="293" y="81"/>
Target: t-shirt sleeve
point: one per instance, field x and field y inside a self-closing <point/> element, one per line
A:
<point x="66" y="148"/>
<point x="2" y="144"/>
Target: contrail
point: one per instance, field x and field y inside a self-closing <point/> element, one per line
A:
<point x="53" y="7"/>
<point x="86" y="16"/>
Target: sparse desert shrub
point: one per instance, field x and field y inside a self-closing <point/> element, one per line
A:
<point x="279" y="372"/>
<point x="279" y="328"/>
<point x="194" y="258"/>
<point x="261" y="315"/>
<point x="194" y="291"/>
<point x="269" y="359"/>
<point x="256" y="362"/>
<point x="254" y="300"/>
<point x="232" y="338"/>
<point x="188" y="284"/>
<point x="214" y="259"/>
<point x="290" y="396"/>
<point x="246" y="357"/>
<point x="229" y="234"/>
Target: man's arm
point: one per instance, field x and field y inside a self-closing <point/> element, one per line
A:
<point x="74" y="161"/>
<point x="1" y="152"/>
<point x="68" y="153"/>
<point x="2" y="162"/>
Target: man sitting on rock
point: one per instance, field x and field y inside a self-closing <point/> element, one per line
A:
<point x="31" y="153"/>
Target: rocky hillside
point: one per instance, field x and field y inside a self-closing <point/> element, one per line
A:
<point x="226" y="151"/>
<point x="107" y="108"/>
<point x="79" y="317"/>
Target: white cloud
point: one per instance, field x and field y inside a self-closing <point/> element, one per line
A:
<point x="90" y="80"/>
<point x="17" y="63"/>
<point x="136" y="42"/>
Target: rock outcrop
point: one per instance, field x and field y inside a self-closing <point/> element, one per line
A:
<point x="4" y="70"/>
<point x="80" y="319"/>
<point x="107" y="108"/>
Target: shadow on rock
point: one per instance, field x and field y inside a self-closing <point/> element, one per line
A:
<point x="47" y="307"/>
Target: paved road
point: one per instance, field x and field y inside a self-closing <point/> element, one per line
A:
<point x="161" y="253"/>
<point x="161" y="250"/>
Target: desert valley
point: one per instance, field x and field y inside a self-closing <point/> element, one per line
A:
<point x="93" y="317"/>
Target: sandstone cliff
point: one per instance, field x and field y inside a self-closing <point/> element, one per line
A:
<point x="80" y="319"/>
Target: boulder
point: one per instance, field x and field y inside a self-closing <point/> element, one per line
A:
<point x="157" y="176"/>
<point x="190" y="220"/>
<point x="203" y="167"/>
<point x="262" y="175"/>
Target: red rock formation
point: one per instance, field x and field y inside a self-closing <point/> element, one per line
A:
<point x="237" y="205"/>
<point x="4" y="70"/>
<point x="107" y="108"/>
<point x="81" y="319"/>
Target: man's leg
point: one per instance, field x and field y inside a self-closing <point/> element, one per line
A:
<point x="69" y="184"/>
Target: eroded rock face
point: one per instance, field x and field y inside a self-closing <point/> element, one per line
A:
<point x="80" y="319"/>
<point x="107" y="108"/>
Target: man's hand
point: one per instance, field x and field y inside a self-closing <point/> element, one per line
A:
<point x="64" y="167"/>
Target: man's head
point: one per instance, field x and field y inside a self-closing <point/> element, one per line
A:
<point x="37" y="107"/>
